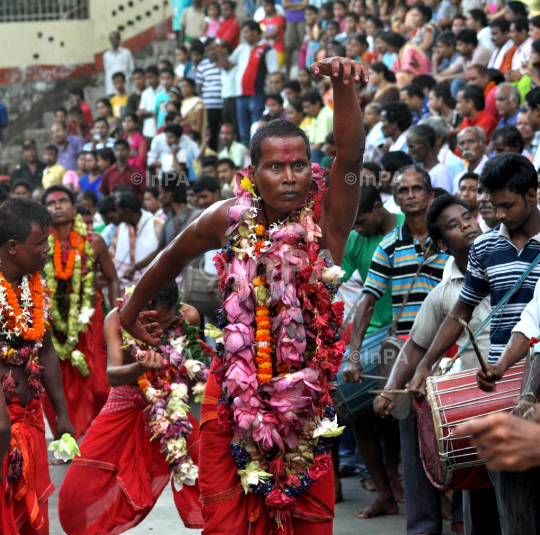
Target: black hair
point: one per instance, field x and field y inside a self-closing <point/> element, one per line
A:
<point x="75" y="110"/>
<point x="17" y="216"/>
<point x="170" y="183"/>
<point x="393" y="39"/>
<point x="469" y="174"/>
<point x="61" y="109"/>
<point x="82" y="211"/>
<point x="171" y="116"/>
<point x="536" y="46"/>
<point x="278" y="128"/>
<point x="167" y="70"/>
<point x="21" y="182"/>
<point x="89" y="195"/>
<point x="467" y="36"/>
<point x="423" y="132"/>
<point x="216" y="4"/>
<point x="374" y="167"/>
<point x="535" y="21"/>
<point x="119" y="74"/>
<point x="518" y="8"/>
<point x="206" y="183"/>
<point x="190" y="81"/>
<point x="414" y="90"/>
<point x="510" y="136"/>
<point x="123" y="142"/>
<point x="331" y="140"/>
<point x="414" y="169"/>
<point x="479" y="16"/>
<point x="495" y="75"/>
<point x="226" y="161"/>
<point x="196" y="46"/>
<point x="293" y="85"/>
<point x="175" y="129"/>
<point x="352" y="15"/>
<point x="368" y="197"/>
<point x="425" y="11"/>
<point x="313" y="97"/>
<point x="209" y="160"/>
<point x="332" y="22"/>
<point x="502" y="24"/>
<point x="312" y="8"/>
<point x="152" y="69"/>
<point x="520" y="24"/>
<point x="443" y="91"/>
<point x="106" y="154"/>
<point x="533" y="98"/>
<point x="275" y="96"/>
<point x="132" y="116"/>
<point x="101" y="120"/>
<point x="474" y="94"/>
<point x="153" y="190"/>
<point x="77" y="92"/>
<point x="341" y="3"/>
<point x="424" y="81"/>
<point x="252" y="25"/>
<point x="138" y="70"/>
<point x="230" y="3"/>
<point x="436" y="208"/>
<point x="51" y="148"/>
<point x="447" y="38"/>
<point x="360" y="38"/>
<point x="128" y="200"/>
<point x="58" y="188"/>
<point x="106" y="205"/>
<point x="376" y="21"/>
<point x="296" y="103"/>
<point x="393" y="161"/>
<point x="509" y="171"/>
<point x="166" y="298"/>
<point x="380" y="68"/>
<point x="398" y="112"/>
<point x="105" y="101"/>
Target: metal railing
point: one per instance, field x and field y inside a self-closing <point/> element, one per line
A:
<point x="37" y="10"/>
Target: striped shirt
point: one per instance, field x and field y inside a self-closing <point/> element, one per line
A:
<point x="396" y="262"/>
<point x="495" y="265"/>
<point x="209" y="77"/>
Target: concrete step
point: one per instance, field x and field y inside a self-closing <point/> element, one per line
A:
<point x="48" y="119"/>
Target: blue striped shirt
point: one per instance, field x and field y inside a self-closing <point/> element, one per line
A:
<point x="396" y="261"/>
<point x="495" y="265"/>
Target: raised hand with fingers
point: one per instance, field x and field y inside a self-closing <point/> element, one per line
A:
<point x="344" y="69"/>
<point x="149" y="333"/>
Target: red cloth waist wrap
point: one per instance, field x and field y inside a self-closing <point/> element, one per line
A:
<point x="123" y="472"/>
<point x="85" y="396"/>
<point x="223" y="497"/>
<point x="34" y="485"/>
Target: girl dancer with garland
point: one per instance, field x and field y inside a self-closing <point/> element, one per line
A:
<point x="145" y="433"/>
<point x="267" y="415"/>
<point x="28" y="368"/>
<point x="75" y="256"/>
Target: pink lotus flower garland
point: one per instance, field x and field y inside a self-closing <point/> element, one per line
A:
<point x="282" y="427"/>
<point x="166" y="392"/>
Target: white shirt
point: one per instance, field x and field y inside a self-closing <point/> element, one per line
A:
<point x="109" y="145"/>
<point x="522" y="56"/>
<point x="260" y="14"/>
<point x="159" y="147"/>
<point x="484" y="38"/>
<point x="529" y="323"/>
<point x="441" y="177"/>
<point x="477" y="170"/>
<point x="399" y="144"/>
<point x="497" y="57"/>
<point x="148" y="101"/>
<point x="119" y="61"/>
<point x="375" y="136"/>
<point x="229" y="87"/>
<point x="167" y="160"/>
<point x="454" y="163"/>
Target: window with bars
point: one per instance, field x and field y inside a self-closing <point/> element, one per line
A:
<point x="36" y="10"/>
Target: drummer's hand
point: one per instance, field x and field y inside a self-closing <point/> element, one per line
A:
<point x="526" y="408"/>
<point x="504" y="441"/>
<point x="486" y="382"/>
<point x="384" y="403"/>
<point x="353" y="371"/>
<point x="419" y="382"/>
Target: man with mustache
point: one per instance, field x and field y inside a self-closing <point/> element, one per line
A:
<point x="471" y="144"/>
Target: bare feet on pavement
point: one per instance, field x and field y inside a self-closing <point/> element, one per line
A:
<point x="368" y="484"/>
<point x="381" y="505"/>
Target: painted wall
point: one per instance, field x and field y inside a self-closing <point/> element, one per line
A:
<point x="52" y="50"/>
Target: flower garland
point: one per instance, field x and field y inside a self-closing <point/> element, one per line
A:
<point x="167" y="390"/>
<point x="20" y="343"/>
<point x="281" y="348"/>
<point x="72" y="309"/>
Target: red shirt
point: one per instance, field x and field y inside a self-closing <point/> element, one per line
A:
<point x="489" y="95"/>
<point x="230" y="32"/>
<point x="484" y="120"/>
<point x="132" y="176"/>
<point x="269" y="25"/>
<point x="87" y="113"/>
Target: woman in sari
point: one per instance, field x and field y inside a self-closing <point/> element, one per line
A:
<point x="383" y="80"/>
<point x="193" y="110"/>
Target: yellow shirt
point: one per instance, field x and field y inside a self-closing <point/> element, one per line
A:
<point x="53" y="175"/>
<point x="118" y="102"/>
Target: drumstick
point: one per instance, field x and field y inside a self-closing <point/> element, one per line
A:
<point x="378" y="377"/>
<point x="465" y="325"/>
<point x="403" y="391"/>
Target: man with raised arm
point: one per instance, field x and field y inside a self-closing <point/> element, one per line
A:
<point x="270" y="396"/>
<point x="28" y="368"/>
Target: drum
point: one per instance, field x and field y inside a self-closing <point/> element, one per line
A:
<point x="453" y="399"/>
<point x="352" y="399"/>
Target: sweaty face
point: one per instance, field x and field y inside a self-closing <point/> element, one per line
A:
<point x="283" y="177"/>
<point x="411" y="194"/>
<point x="468" y="189"/>
<point x="511" y="208"/>
<point x="32" y="255"/>
<point x="60" y="208"/>
<point x="459" y="228"/>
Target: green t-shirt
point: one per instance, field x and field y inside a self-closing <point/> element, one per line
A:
<point x="358" y="255"/>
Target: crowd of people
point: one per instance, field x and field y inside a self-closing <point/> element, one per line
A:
<point x="433" y="109"/>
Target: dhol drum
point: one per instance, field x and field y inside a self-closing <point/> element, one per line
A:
<point x="451" y="462"/>
<point x="352" y="399"/>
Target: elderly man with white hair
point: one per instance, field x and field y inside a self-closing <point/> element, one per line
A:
<point x="507" y="102"/>
<point x="452" y="162"/>
<point x="472" y="145"/>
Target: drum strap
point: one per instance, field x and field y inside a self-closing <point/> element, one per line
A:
<point x="502" y="303"/>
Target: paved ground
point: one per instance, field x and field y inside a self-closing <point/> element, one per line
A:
<point x="164" y="520"/>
